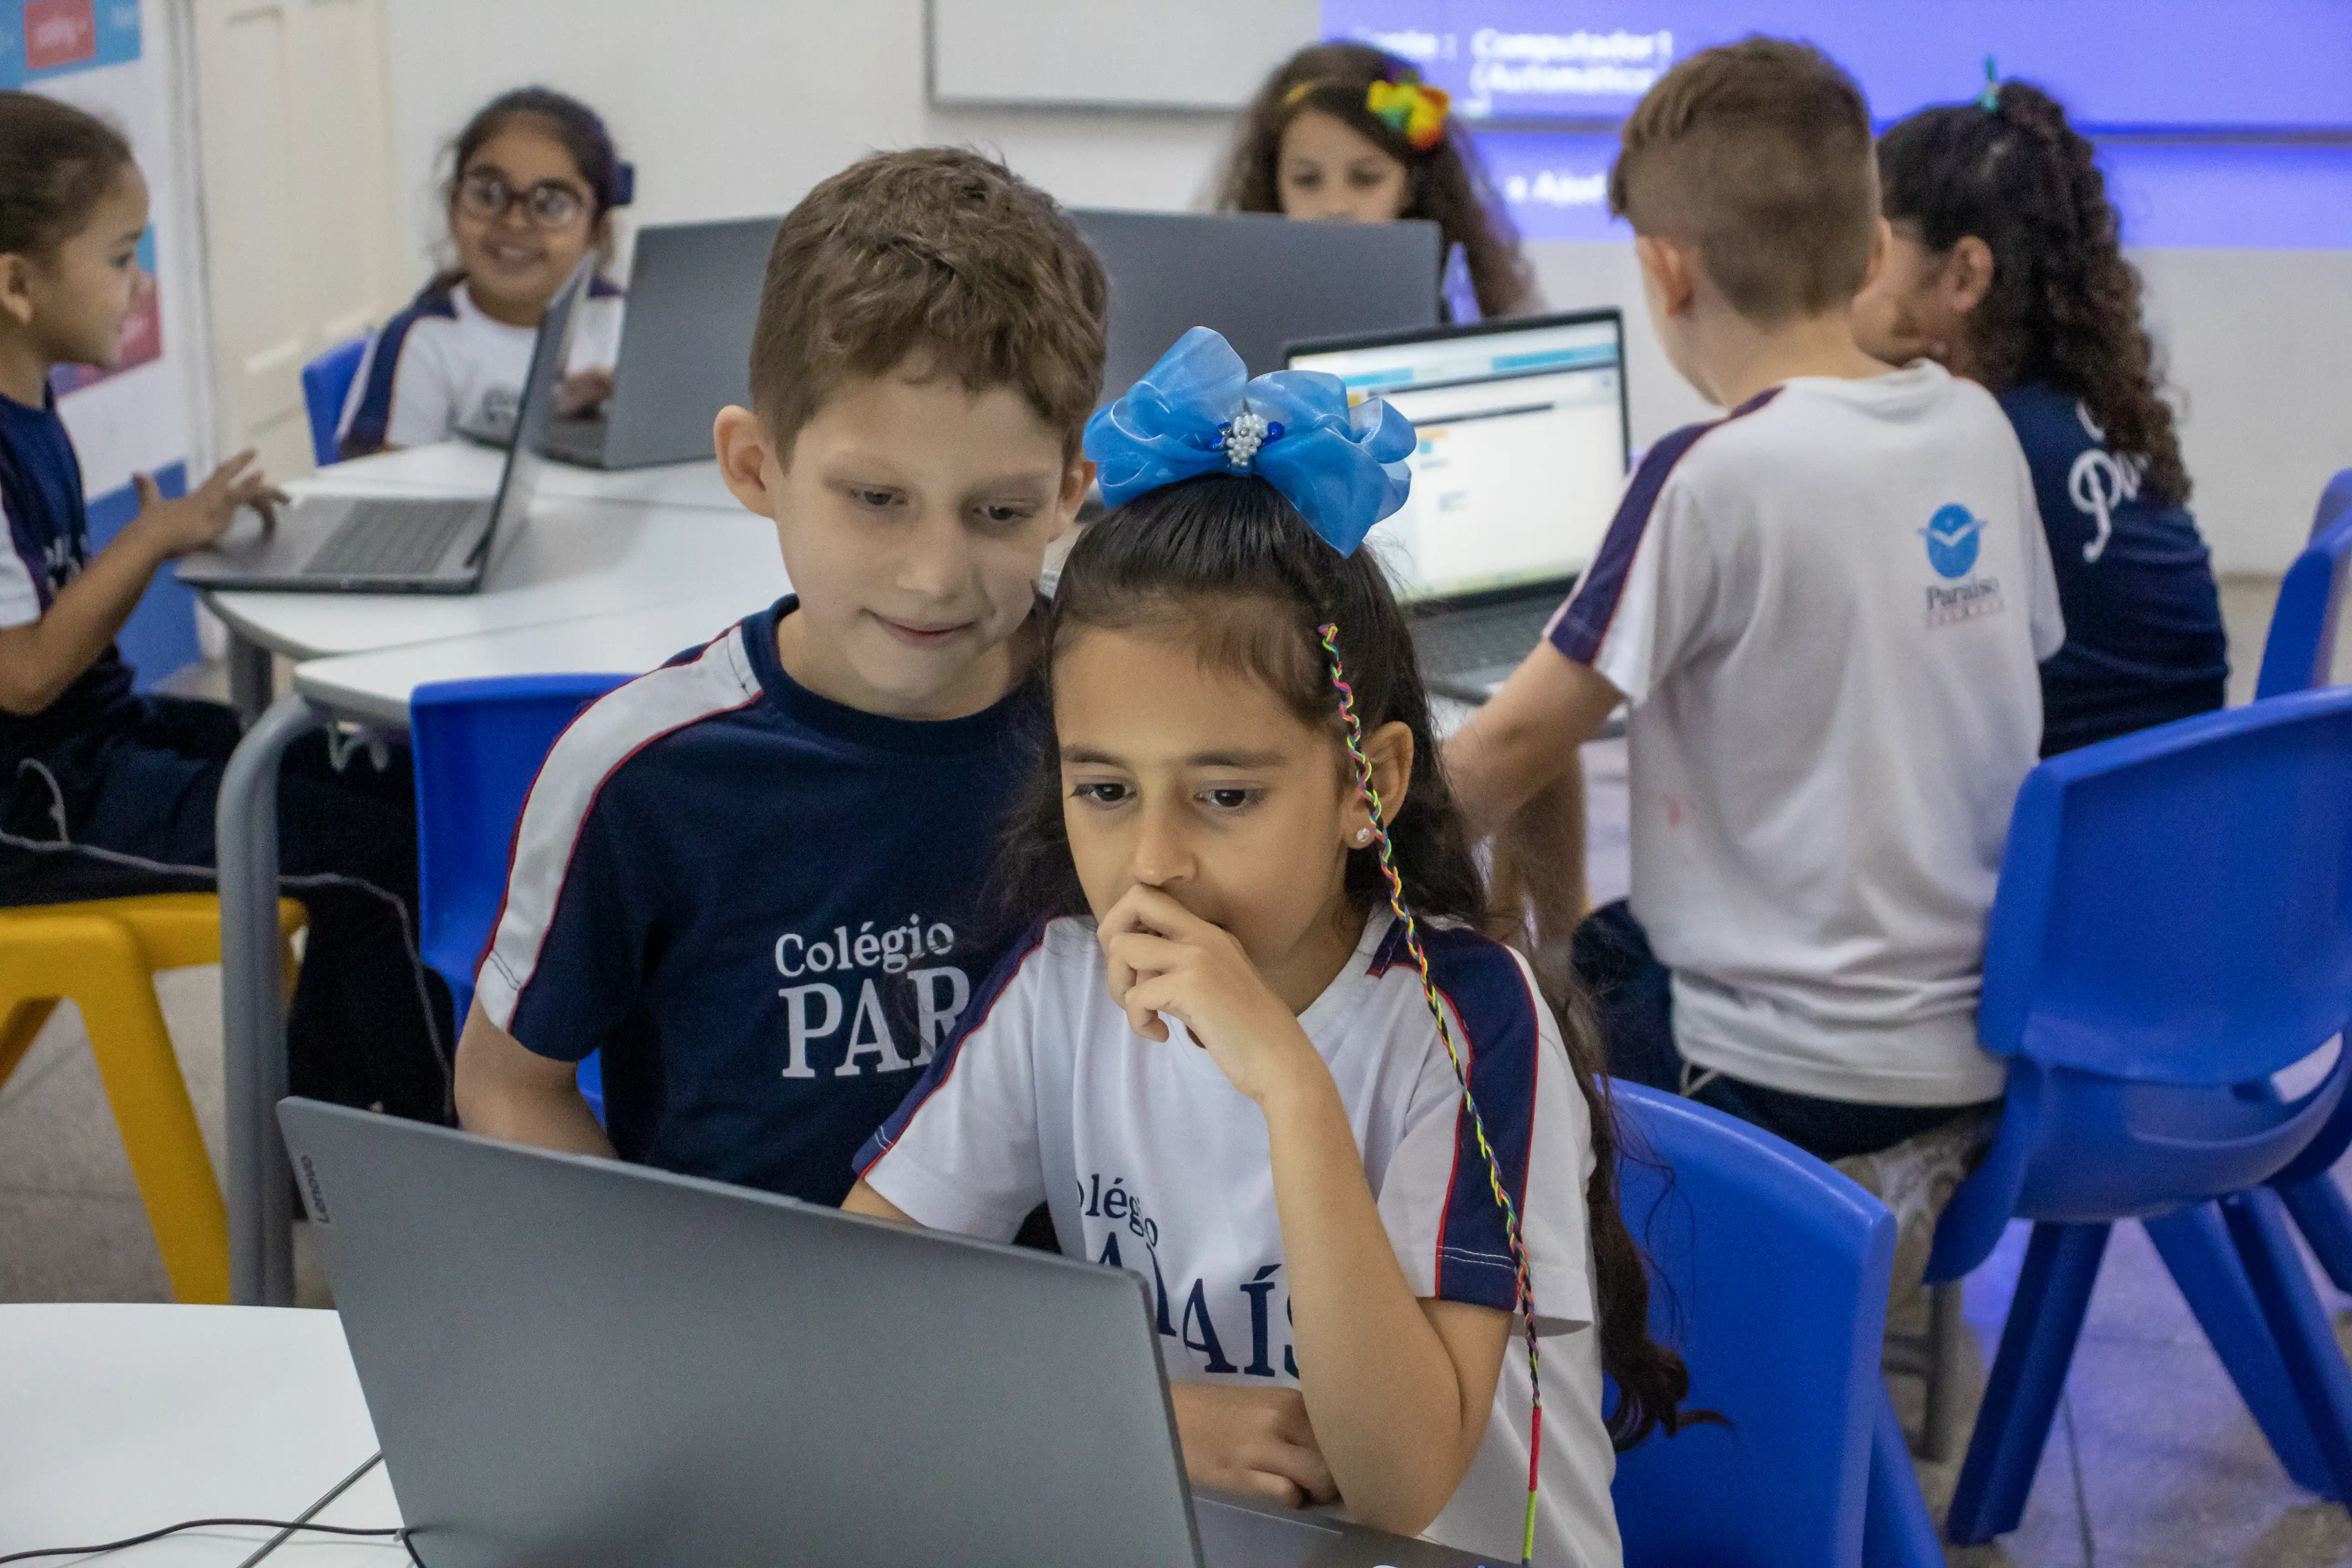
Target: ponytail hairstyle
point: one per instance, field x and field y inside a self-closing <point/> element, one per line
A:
<point x="2065" y="304"/>
<point x="1445" y="182"/>
<point x="1228" y="562"/>
<point x="55" y="162"/>
<point x="577" y="127"/>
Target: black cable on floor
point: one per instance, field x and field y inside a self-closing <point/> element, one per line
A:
<point x="386" y="1532"/>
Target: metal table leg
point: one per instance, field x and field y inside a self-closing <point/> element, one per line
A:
<point x="253" y="1007"/>
<point x="251" y="676"/>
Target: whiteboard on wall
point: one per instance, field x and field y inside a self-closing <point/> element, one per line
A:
<point x="1204" y="55"/>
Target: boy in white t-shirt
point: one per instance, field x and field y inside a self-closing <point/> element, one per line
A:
<point x="1824" y="612"/>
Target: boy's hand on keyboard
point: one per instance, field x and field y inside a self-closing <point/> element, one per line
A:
<point x="171" y="528"/>
<point x="584" y="391"/>
<point x="1254" y="1441"/>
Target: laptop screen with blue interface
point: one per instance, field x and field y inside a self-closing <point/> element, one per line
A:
<point x="1522" y="450"/>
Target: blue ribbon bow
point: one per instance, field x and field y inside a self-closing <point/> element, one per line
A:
<point x="1197" y="412"/>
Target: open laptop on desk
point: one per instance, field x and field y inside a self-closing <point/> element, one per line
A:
<point x="403" y="544"/>
<point x="1260" y="279"/>
<point x="685" y="346"/>
<point x="574" y="1361"/>
<point x="1524" y="442"/>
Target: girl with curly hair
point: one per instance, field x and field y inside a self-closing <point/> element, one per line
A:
<point x="2007" y="267"/>
<point x="1344" y="132"/>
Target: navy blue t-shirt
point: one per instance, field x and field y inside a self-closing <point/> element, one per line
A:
<point x="49" y="538"/>
<point x="2144" y="638"/>
<point x="758" y="903"/>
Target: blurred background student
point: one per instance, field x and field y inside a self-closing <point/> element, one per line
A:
<point x="2007" y="267"/>
<point x="533" y="182"/>
<point x="1344" y="133"/>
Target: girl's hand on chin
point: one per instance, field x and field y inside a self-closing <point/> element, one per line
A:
<point x="1165" y="959"/>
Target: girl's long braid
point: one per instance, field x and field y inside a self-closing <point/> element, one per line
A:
<point x="1355" y="742"/>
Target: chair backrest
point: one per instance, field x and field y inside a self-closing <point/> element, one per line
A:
<point x="2300" y="652"/>
<point x="478" y="745"/>
<point x="2176" y="906"/>
<point x="326" y="385"/>
<point x="1769" y="1275"/>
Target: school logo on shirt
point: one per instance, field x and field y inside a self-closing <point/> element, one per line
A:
<point x="816" y="1009"/>
<point x="1955" y="536"/>
<point x="2099" y="482"/>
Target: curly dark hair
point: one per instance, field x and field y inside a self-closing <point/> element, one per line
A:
<point x="1229" y="561"/>
<point x="2065" y="304"/>
<point x="1447" y="184"/>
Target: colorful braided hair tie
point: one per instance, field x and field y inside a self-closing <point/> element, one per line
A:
<point x="1414" y="110"/>
<point x="1525" y="1283"/>
<point x="1989" y="99"/>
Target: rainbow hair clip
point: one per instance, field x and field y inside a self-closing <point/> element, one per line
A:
<point x="1413" y="110"/>
<point x="1330" y="632"/>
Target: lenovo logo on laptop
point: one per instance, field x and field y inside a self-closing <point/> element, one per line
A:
<point x="59" y="33"/>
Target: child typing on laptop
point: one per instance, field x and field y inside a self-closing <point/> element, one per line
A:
<point x="105" y="792"/>
<point x="748" y="877"/>
<point x="1824" y="612"/>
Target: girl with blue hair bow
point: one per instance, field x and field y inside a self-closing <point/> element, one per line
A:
<point x="1254" y="1046"/>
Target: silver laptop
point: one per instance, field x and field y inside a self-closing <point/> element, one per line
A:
<point x="1524" y="446"/>
<point x="685" y="346"/>
<point x="575" y="1361"/>
<point x="403" y="544"/>
<point x="1260" y="280"/>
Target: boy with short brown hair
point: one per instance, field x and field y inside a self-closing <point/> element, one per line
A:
<point x="747" y="877"/>
<point x="1824" y="612"/>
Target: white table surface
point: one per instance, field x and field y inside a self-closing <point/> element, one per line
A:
<point x="376" y="686"/>
<point x="574" y="559"/>
<point x="467" y="467"/>
<point x="119" y="1419"/>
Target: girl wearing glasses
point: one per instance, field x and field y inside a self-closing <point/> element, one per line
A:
<point x="532" y="188"/>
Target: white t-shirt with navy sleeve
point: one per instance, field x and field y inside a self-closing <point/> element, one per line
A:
<point x="1150" y="1160"/>
<point x="1826" y="613"/>
<point x="441" y="367"/>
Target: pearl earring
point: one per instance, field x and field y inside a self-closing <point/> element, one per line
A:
<point x="1363" y="836"/>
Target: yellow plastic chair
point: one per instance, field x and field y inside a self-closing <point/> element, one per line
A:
<point x="103" y="957"/>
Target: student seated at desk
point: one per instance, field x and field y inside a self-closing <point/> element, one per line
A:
<point x="1344" y="133"/>
<point x="105" y="792"/>
<point x="2007" y="267"/>
<point x="749" y="878"/>
<point x="1214" y="1053"/>
<point x="533" y="182"/>
<point x="1824" y="612"/>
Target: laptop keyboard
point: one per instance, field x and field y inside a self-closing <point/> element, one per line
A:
<point x="403" y="538"/>
<point x="1458" y="642"/>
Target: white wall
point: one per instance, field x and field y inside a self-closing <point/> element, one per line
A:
<point x="736" y="107"/>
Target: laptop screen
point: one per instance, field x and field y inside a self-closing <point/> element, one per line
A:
<point x="1523" y="447"/>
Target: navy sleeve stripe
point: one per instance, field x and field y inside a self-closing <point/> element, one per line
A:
<point x="1488" y="992"/>
<point x="371" y="416"/>
<point x="602" y="288"/>
<point x="1583" y="622"/>
<point x="590" y="753"/>
<point x="974" y="1017"/>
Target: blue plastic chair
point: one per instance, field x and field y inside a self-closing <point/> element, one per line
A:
<point x="477" y="746"/>
<point x="2300" y="653"/>
<point x="2173" y="921"/>
<point x="326" y="385"/>
<point x="1770" y="1277"/>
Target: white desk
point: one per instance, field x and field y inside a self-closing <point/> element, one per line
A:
<point x="374" y="687"/>
<point x="465" y="468"/>
<point x="115" y="1420"/>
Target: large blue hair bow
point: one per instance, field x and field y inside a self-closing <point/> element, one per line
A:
<point x="1197" y="412"/>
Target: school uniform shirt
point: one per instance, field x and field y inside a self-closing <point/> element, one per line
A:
<point x="2144" y="638"/>
<point x="48" y="546"/>
<point x="1825" y="612"/>
<point x="1152" y="1160"/>
<point x="441" y="366"/>
<point x="757" y="902"/>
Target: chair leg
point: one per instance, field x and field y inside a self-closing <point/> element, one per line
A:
<point x="2046" y="1318"/>
<point x="17" y="1031"/>
<point x="2306" y="1344"/>
<point x="2325" y="1220"/>
<point x="1896" y="1530"/>
<point x="2196" y="1245"/>
<point x="160" y="1133"/>
<point x="1946" y="1328"/>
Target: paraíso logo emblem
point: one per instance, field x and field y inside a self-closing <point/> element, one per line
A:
<point x="1952" y="539"/>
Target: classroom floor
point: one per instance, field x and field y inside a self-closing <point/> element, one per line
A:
<point x="2153" y="1462"/>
